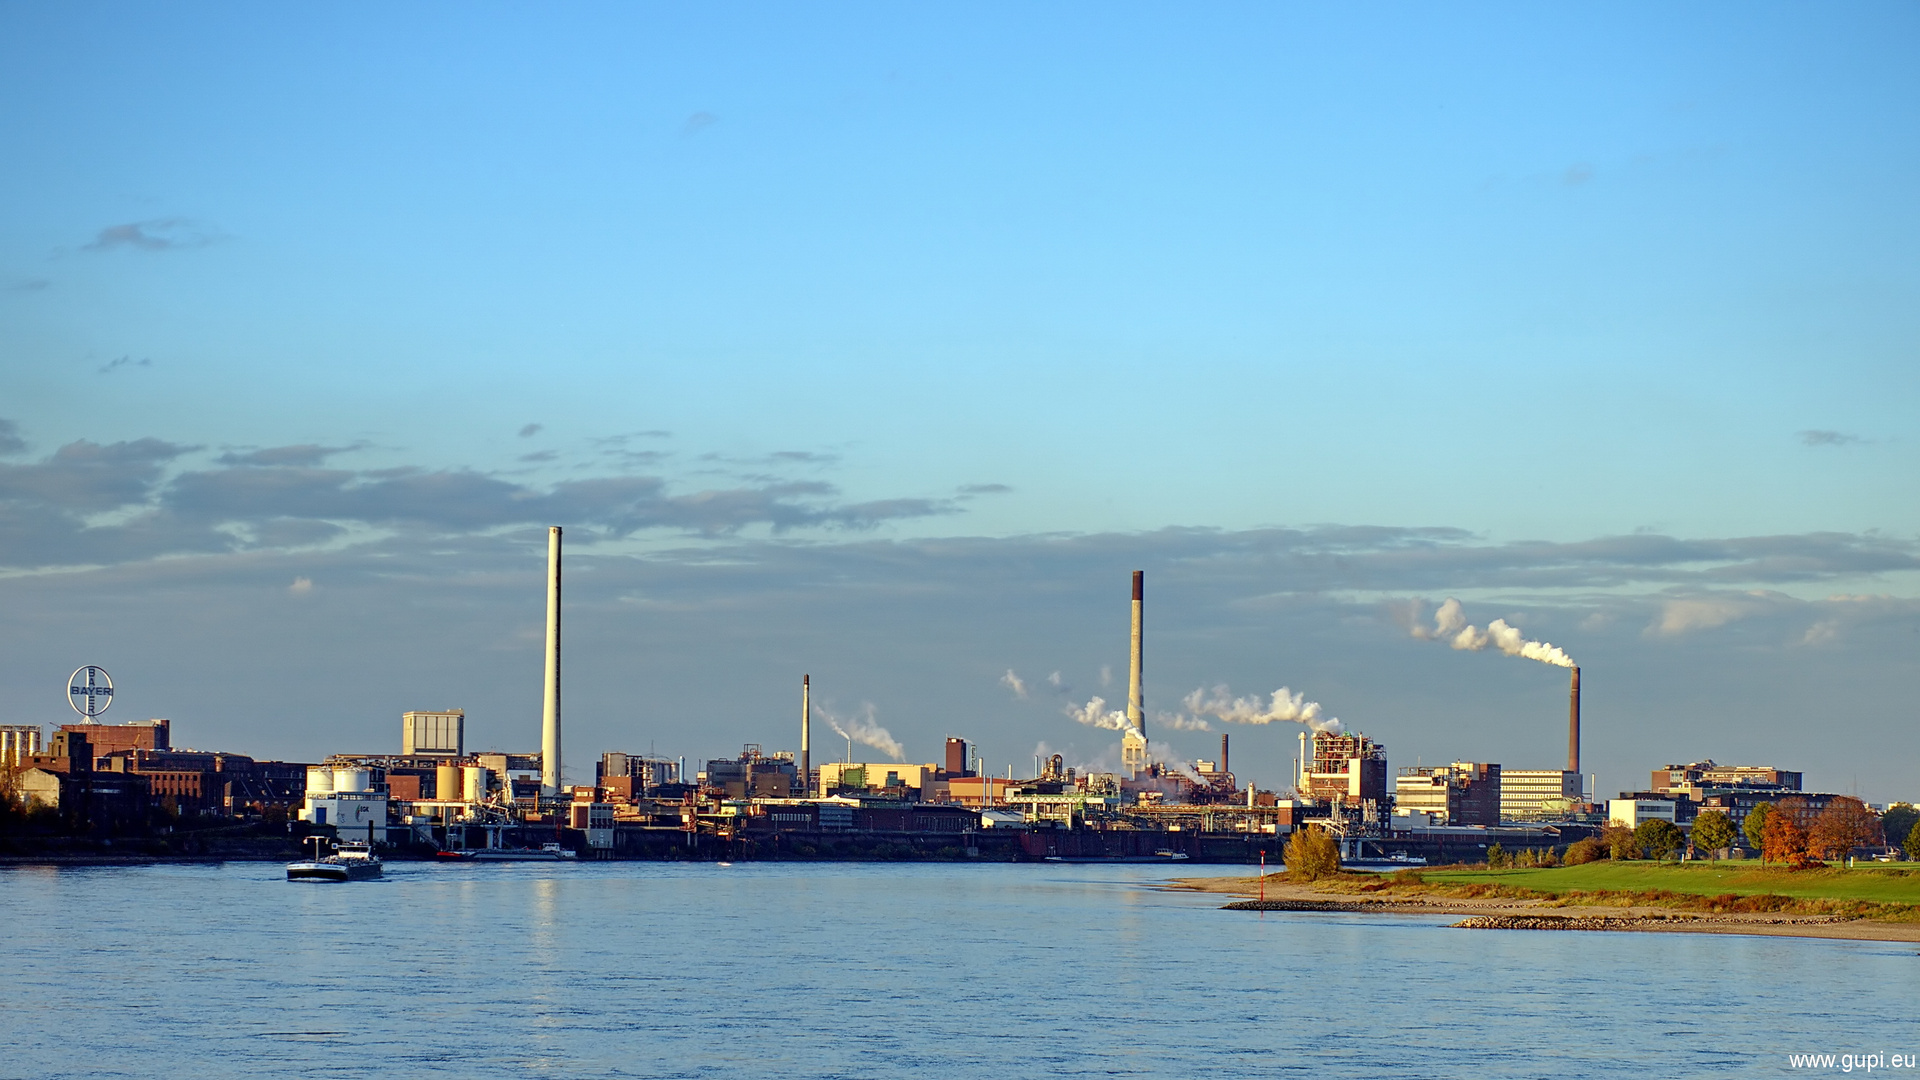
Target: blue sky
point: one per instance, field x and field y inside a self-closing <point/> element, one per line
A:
<point x="310" y="294"/>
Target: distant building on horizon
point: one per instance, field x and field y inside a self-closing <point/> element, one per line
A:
<point x="434" y="734"/>
<point x="1463" y="793"/>
<point x="1345" y="767"/>
<point x="132" y="735"/>
<point x="1539" y="794"/>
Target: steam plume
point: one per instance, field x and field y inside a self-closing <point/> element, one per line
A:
<point x="1014" y="683"/>
<point x="1170" y="721"/>
<point x="1450" y="625"/>
<point x="863" y="730"/>
<point x="1096" y="714"/>
<point x="1284" y="706"/>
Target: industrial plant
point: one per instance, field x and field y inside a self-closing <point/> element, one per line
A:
<point x="435" y="798"/>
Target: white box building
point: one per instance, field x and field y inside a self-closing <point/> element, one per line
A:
<point x="434" y="733"/>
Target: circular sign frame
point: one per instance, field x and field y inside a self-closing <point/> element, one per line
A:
<point x="93" y="695"/>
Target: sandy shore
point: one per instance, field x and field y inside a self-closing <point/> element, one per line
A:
<point x="1506" y="913"/>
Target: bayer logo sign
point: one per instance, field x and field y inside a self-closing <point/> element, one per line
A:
<point x="90" y="691"/>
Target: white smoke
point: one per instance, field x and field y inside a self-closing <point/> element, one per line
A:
<point x="1014" y="683"/>
<point x="1096" y="714"/>
<point x="1450" y="625"/>
<point x="864" y="730"/>
<point x="1168" y="721"/>
<point x="1161" y="754"/>
<point x="1284" y="706"/>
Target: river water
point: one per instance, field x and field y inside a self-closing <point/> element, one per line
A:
<point x="874" y="970"/>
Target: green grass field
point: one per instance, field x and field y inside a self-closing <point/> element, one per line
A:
<point x="1895" y="883"/>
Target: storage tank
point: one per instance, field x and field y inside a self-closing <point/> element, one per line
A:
<point x="352" y="779"/>
<point x="319" y="780"/>
<point x="446" y="782"/>
<point x="476" y="783"/>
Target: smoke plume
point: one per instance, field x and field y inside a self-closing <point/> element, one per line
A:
<point x="863" y="730"/>
<point x="1169" y="721"/>
<point x="1161" y="754"/>
<point x="1450" y="625"/>
<point x="1096" y="714"/>
<point x="1284" y="706"/>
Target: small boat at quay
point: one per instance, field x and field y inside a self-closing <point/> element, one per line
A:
<point x="351" y="861"/>
<point x="543" y="853"/>
<point x="1156" y="857"/>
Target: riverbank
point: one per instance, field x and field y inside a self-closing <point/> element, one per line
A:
<point x="1825" y="904"/>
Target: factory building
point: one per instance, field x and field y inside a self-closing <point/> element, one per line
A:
<point x="1696" y="779"/>
<point x="957" y="764"/>
<point x="634" y="776"/>
<point x="754" y="774"/>
<point x="1539" y="794"/>
<point x="1463" y="793"/>
<point x="349" y="799"/>
<point x="895" y="778"/>
<point x="64" y="779"/>
<point x="1631" y="812"/>
<point x="133" y="735"/>
<point x="434" y="734"/>
<point x="18" y="742"/>
<point x="975" y="791"/>
<point x="189" y="782"/>
<point x="1343" y="768"/>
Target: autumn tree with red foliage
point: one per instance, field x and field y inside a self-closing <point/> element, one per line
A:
<point x="1845" y="824"/>
<point x="1785" y="839"/>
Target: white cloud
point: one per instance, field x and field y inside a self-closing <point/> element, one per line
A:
<point x="1821" y="633"/>
<point x="1703" y="613"/>
<point x="1014" y="683"/>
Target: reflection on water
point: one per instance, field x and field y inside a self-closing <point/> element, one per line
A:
<point x="871" y="970"/>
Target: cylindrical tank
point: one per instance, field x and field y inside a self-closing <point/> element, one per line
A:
<point x="446" y="782"/>
<point x="351" y="779"/>
<point x="476" y="783"/>
<point x="319" y="780"/>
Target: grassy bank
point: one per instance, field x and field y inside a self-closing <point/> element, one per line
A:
<point x="1881" y="884"/>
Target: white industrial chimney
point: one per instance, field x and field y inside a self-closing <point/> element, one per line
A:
<point x="550" y="707"/>
<point x="1134" y="758"/>
<point x="1136" y="702"/>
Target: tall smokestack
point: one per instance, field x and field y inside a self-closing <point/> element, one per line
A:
<point x="1223" y="753"/>
<point x="1573" y="725"/>
<point x="550" y="707"/>
<point x="1136" y="704"/>
<point x="806" y="733"/>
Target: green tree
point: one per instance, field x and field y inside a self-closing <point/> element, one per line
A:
<point x="1311" y="854"/>
<point x="1660" y="839"/>
<point x="1712" y="832"/>
<point x="1898" y="821"/>
<point x="1497" y="858"/>
<point x="1913" y="842"/>
<point x="1755" y="826"/>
